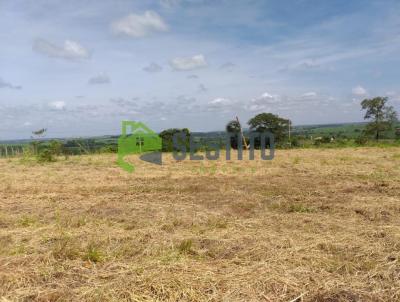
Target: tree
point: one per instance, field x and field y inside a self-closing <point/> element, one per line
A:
<point x="56" y="147"/>
<point x="40" y="132"/>
<point x="167" y="138"/>
<point x="268" y="122"/>
<point x="233" y="127"/>
<point x="382" y="116"/>
<point x="36" y="135"/>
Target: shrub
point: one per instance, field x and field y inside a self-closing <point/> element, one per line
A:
<point x="45" y="156"/>
<point x="326" y="139"/>
<point x="56" y="147"/>
<point x="294" y="142"/>
<point x="361" y="140"/>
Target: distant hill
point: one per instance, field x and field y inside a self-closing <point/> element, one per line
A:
<point x="349" y="130"/>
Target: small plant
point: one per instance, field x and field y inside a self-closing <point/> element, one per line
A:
<point x="26" y="221"/>
<point x="185" y="247"/>
<point x="65" y="247"/>
<point x="217" y="222"/>
<point x="299" y="208"/>
<point x="93" y="253"/>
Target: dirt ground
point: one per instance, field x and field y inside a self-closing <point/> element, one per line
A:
<point x="323" y="225"/>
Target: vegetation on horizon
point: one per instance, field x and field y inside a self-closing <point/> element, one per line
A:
<point x="382" y="126"/>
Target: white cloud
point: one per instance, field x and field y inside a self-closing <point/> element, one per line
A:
<point x="57" y="105"/>
<point x="137" y="26"/>
<point x="71" y="50"/>
<point x="152" y="68"/>
<point x="220" y="101"/>
<point x="99" y="79"/>
<point x="220" y="104"/>
<point x="188" y="63"/>
<point x="359" y="91"/>
<point x="27" y="124"/>
<point x="310" y="94"/>
<point x="263" y="102"/>
<point x="4" y="84"/>
<point x="267" y="98"/>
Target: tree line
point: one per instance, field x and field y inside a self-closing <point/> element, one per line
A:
<point x="381" y="118"/>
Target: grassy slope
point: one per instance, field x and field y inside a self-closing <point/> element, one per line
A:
<point x="323" y="223"/>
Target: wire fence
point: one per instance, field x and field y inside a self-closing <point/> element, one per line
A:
<point x="11" y="150"/>
<point x="76" y="147"/>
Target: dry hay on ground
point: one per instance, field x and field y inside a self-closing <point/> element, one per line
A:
<point x="324" y="224"/>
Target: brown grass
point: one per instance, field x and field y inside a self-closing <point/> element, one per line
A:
<point x="324" y="224"/>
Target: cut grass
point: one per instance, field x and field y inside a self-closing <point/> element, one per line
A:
<point x="320" y="223"/>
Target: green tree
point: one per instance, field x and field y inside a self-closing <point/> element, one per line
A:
<point x="167" y="137"/>
<point x="271" y="123"/>
<point x="233" y="127"/>
<point x="382" y="117"/>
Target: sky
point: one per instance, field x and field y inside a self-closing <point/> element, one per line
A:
<point x="79" y="68"/>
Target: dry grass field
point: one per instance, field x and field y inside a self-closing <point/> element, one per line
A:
<point x="320" y="224"/>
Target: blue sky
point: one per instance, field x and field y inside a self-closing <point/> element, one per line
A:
<point x="79" y="68"/>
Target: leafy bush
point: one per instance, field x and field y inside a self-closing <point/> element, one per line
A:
<point x="294" y="142"/>
<point x="45" y="156"/>
<point x="56" y="147"/>
<point x="361" y="140"/>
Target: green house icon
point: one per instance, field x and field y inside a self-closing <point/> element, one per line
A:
<point x="137" y="138"/>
